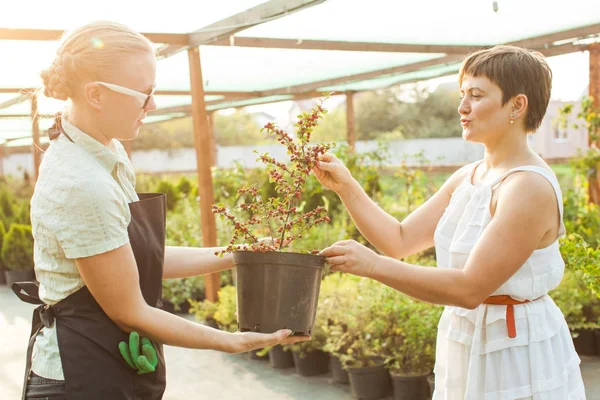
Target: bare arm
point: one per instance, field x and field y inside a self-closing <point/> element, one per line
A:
<point x="393" y="238"/>
<point x="525" y="219"/>
<point x="113" y="280"/>
<point x="181" y="262"/>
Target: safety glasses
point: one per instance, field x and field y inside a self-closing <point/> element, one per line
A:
<point x="130" y="92"/>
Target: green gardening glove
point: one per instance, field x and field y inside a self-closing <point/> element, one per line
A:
<point x="145" y="362"/>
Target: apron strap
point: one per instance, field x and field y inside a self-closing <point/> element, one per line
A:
<point x="43" y="315"/>
<point x="57" y="129"/>
<point x="31" y="290"/>
<point x="36" y="326"/>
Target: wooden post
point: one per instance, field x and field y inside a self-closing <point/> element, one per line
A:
<point x="205" y="185"/>
<point x="35" y="133"/>
<point x="594" y="91"/>
<point x="2" y="151"/>
<point x="213" y="138"/>
<point x="350" y="126"/>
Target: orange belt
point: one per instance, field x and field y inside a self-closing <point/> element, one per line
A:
<point x="509" y="302"/>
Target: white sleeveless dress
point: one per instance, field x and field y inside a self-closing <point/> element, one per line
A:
<point x="475" y="357"/>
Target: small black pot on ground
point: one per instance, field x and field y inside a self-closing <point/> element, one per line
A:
<point x="410" y="387"/>
<point x="184" y="308"/>
<point x="369" y="383"/>
<point x="277" y="291"/>
<point x="311" y="363"/>
<point x="168" y="306"/>
<point x="212" y="323"/>
<point x="253" y="355"/>
<point x="280" y="359"/>
<point x="586" y="343"/>
<point x="338" y="373"/>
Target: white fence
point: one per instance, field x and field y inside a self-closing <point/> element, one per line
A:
<point x="449" y="151"/>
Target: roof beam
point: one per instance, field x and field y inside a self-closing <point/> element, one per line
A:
<point x="26" y="116"/>
<point x="186" y="108"/>
<point x="304" y="44"/>
<point x="182" y="39"/>
<point x="54" y="35"/>
<point x="309" y="44"/>
<point x="438" y="61"/>
<point x="541" y="43"/>
<point x="268" y="11"/>
<point x="545" y="41"/>
<point x="551" y="52"/>
<point x="16" y="100"/>
<point x="241" y="95"/>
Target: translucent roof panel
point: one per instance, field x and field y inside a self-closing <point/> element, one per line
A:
<point x="430" y="21"/>
<point x="257" y="69"/>
<point x="52" y="106"/>
<point x="377" y="83"/>
<point x="25" y="142"/>
<point x="246" y="69"/>
<point x="21" y="127"/>
<point x="156" y="16"/>
<point x="249" y="102"/>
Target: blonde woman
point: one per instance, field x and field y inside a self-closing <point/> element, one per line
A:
<point x="100" y="252"/>
<point x="495" y="226"/>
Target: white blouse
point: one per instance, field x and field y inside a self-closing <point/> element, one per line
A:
<point x="79" y="209"/>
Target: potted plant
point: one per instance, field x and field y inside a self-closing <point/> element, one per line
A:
<point x="339" y="292"/>
<point x="205" y="311"/>
<point x="176" y="293"/>
<point x="577" y="294"/>
<point x="309" y="357"/>
<point x="277" y="289"/>
<point x="280" y="357"/>
<point x="17" y="254"/>
<point x="412" y="351"/>
<point x="369" y="379"/>
<point x="367" y="341"/>
<point x="2" y="274"/>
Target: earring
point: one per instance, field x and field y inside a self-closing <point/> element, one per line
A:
<point x="512" y="116"/>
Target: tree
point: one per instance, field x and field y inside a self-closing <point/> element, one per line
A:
<point x="238" y="129"/>
<point x="376" y="112"/>
<point x="332" y="128"/>
<point x="173" y="134"/>
<point x="431" y="115"/>
<point x="410" y="112"/>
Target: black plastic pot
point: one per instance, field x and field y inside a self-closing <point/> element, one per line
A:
<point x="431" y="383"/>
<point x="586" y="343"/>
<point x="184" y="308"/>
<point x="168" y="306"/>
<point x="277" y="291"/>
<point x="280" y="359"/>
<point x="410" y="387"/>
<point x="253" y="355"/>
<point x="18" y="276"/>
<point x="338" y="374"/>
<point x="212" y="323"/>
<point x="312" y="363"/>
<point x="369" y="383"/>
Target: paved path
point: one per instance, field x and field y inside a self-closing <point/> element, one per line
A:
<point x="201" y="374"/>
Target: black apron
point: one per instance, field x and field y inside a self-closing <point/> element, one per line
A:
<point x="88" y="339"/>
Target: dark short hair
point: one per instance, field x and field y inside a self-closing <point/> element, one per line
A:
<point x="516" y="71"/>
